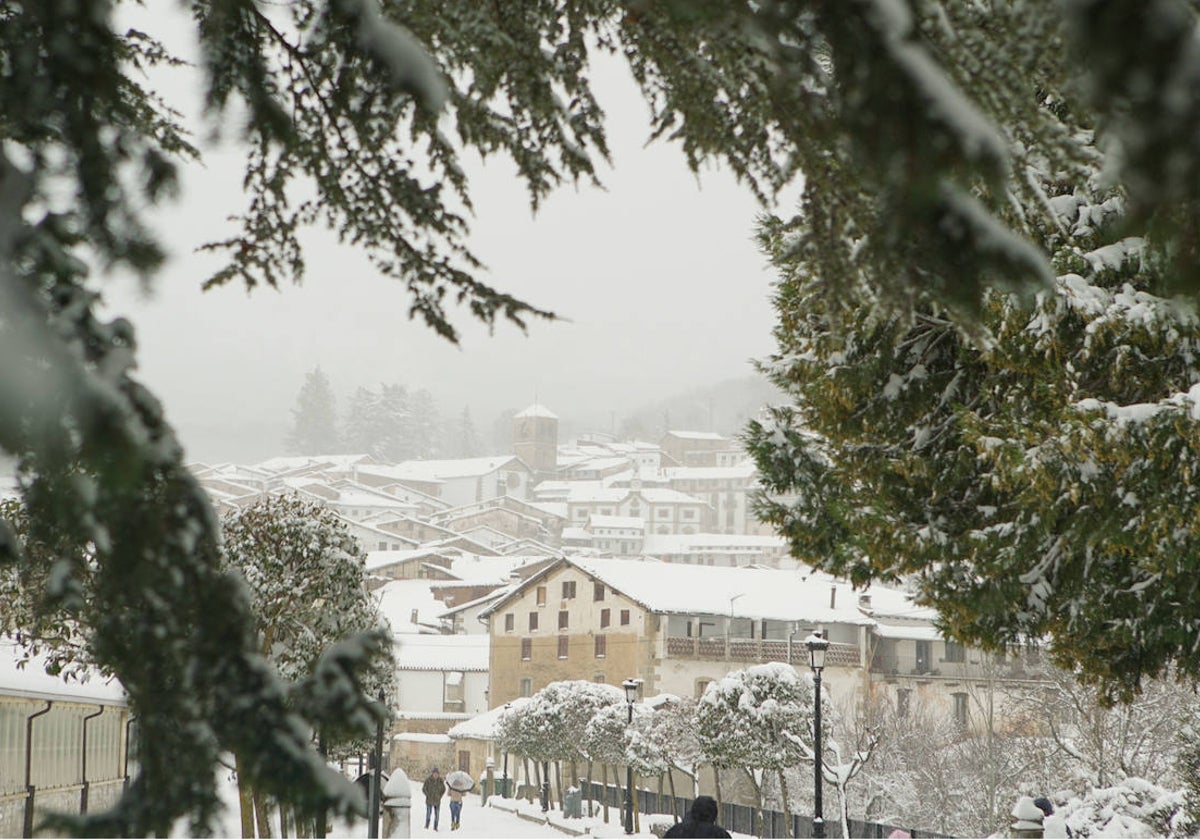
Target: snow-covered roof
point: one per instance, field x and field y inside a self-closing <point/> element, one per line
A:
<point x="33" y="681"/>
<point x="665" y="496"/>
<point x="295" y="462"/>
<point x="920" y="632"/>
<point x="494" y="595"/>
<point x="597" y="520"/>
<point x="537" y="410"/>
<point x="473" y="568"/>
<point x="591" y="492"/>
<point x="483" y="726"/>
<point x="382" y="559"/>
<point x="398" y="598"/>
<point x="558" y="509"/>
<point x="434" y="471"/>
<point x="745" y="469"/>
<point x="422" y="737"/>
<point x="423" y="652"/>
<point x="602" y="463"/>
<point x="686" y="435"/>
<point x="745" y="593"/>
<point x="720" y="543"/>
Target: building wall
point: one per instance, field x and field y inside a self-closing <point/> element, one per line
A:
<point x="535" y="441"/>
<point x="629" y="650"/>
<point x="424" y="691"/>
<point x="57" y="757"/>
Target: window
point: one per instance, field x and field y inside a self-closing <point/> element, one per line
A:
<point x="452" y="700"/>
<point x="598" y="677"/>
<point x="625" y="617"/>
<point x="597" y="591"/>
<point x="541" y="596"/>
<point x="563" y="646"/>
<point x="510" y="622"/>
<point x="903" y="701"/>
<point x="601" y="646"/>
<point x="526" y="649"/>
<point x="701" y="685"/>
<point x="533" y="621"/>
<point x="605" y="617"/>
<point x="955" y="652"/>
<point x="688" y="513"/>
<point x="922" y="657"/>
<point x="568" y="589"/>
<point x="526" y="687"/>
<point x="464" y="761"/>
<point x="383" y="545"/>
<point x="663" y="513"/>
<point x="960" y="709"/>
<point x="564" y="618"/>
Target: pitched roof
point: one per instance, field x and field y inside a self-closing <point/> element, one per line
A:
<point x="425" y="652"/>
<point x="800" y="595"/>
<point x="537" y="410"/>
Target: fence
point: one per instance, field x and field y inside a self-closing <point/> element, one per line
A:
<point x="740" y="818"/>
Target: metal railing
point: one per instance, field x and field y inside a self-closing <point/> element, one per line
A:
<point x="740" y="818"/>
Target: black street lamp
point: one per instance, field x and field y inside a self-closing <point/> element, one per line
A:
<point x="631" y="692"/>
<point x="817" y="645"/>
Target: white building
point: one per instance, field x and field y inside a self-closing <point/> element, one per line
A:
<point x="441" y="674"/>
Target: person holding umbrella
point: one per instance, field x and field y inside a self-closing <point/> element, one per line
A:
<point x="458" y="784"/>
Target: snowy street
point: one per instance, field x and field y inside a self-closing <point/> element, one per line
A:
<point x="479" y="821"/>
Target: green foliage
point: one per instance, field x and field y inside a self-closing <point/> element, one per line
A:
<point x="923" y="148"/>
<point x="1031" y="472"/>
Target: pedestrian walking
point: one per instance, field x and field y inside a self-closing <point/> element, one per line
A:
<point x="434" y="789"/>
<point x="701" y="821"/>
<point x="456" y="800"/>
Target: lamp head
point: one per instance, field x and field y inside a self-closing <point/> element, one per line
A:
<point x="631" y="689"/>
<point x="817" y="645"/>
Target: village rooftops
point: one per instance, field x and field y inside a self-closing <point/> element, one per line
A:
<point x="435" y="471"/>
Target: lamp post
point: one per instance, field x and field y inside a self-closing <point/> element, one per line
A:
<point x="631" y="690"/>
<point x="507" y="707"/>
<point x="817" y="645"/>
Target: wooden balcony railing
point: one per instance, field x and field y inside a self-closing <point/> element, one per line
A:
<point x="757" y="650"/>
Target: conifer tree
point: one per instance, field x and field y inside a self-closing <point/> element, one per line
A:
<point x="314" y="419"/>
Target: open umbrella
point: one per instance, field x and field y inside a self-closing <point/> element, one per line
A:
<point x="460" y="781"/>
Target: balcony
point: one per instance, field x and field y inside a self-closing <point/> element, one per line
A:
<point x="757" y="650"/>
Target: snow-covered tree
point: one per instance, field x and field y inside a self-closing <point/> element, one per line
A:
<point x="314" y="419"/>
<point x="42" y="619"/>
<point x="1030" y="472"/>
<point x="348" y="122"/>
<point x="307" y="581"/>
<point x="758" y="720"/>
<point x="1105" y="743"/>
<point x="1131" y="808"/>
<point x="673" y="733"/>
<point x="552" y="726"/>
<point x="462" y="438"/>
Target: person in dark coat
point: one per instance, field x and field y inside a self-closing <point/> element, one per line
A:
<point x="701" y="821"/>
<point x="434" y="789"/>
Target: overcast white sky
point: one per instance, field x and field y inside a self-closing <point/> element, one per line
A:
<point x="658" y="275"/>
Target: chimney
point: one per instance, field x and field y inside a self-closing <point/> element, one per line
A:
<point x="864" y="602"/>
<point x="413" y="619"/>
<point x="833" y="597"/>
